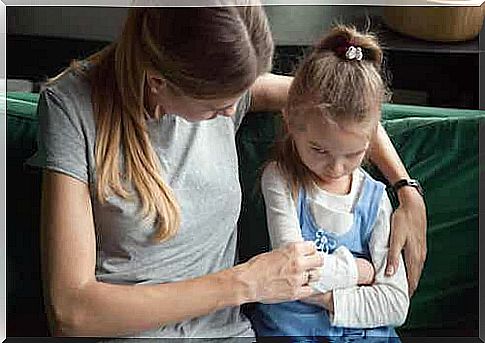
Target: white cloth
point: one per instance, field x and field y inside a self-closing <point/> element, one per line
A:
<point x="339" y="271"/>
<point x="386" y="301"/>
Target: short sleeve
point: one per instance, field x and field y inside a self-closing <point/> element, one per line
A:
<point x="241" y="109"/>
<point x="61" y="143"/>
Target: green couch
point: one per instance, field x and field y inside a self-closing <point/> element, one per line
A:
<point x="439" y="147"/>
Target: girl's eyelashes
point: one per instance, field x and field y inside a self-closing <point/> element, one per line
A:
<point x="318" y="150"/>
<point x="323" y="151"/>
<point x="355" y="154"/>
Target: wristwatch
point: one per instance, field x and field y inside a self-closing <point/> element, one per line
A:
<point x="408" y="182"/>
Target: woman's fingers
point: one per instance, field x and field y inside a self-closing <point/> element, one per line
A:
<point x="396" y="244"/>
<point x="305" y="254"/>
<point x="305" y="292"/>
<point x="414" y="258"/>
<point x="408" y="232"/>
<point x="306" y="248"/>
<point x="313" y="275"/>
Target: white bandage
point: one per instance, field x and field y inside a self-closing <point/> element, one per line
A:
<point x="339" y="270"/>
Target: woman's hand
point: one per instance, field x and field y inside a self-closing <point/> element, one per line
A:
<point x="280" y="275"/>
<point x="408" y="226"/>
<point x="408" y="231"/>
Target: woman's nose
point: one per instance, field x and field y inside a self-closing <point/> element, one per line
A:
<point x="229" y="112"/>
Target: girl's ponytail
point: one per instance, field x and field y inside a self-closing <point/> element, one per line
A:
<point x="341" y="38"/>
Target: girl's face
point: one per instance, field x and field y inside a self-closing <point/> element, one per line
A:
<point x="329" y="150"/>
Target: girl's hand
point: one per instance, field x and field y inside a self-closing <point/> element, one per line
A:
<point x="366" y="271"/>
<point x="408" y="231"/>
<point x="280" y="275"/>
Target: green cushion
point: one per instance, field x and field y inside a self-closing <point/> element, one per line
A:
<point x="438" y="146"/>
<point x="24" y="289"/>
<point x="21" y="123"/>
<point x="395" y="111"/>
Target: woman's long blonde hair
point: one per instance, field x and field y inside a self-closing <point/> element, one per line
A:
<point x="207" y="52"/>
<point x="339" y="88"/>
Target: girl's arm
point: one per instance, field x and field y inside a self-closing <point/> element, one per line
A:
<point x="79" y="305"/>
<point x="339" y="269"/>
<point x="386" y="301"/>
<point x="269" y="93"/>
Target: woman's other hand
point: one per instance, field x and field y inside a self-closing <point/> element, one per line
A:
<point x="408" y="231"/>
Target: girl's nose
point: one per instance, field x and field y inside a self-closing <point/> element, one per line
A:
<point x="337" y="169"/>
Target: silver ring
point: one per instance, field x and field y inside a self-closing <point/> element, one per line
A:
<point x="313" y="275"/>
<point x="306" y="277"/>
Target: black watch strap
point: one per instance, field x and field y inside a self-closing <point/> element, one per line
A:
<point x="408" y="182"/>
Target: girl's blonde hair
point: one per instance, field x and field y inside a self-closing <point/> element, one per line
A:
<point x="339" y="88"/>
<point x="206" y="52"/>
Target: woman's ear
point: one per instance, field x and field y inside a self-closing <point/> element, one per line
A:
<point x="156" y="83"/>
<point x="284" y="113"/>
<point x="286" y="122"/>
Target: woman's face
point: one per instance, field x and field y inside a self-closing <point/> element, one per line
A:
<point x="196" y="109"/>
<point x="171" y="101"/>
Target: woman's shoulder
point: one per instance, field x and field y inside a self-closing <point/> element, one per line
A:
<point x="67" y="98"/>
<point x="70" y="87"/>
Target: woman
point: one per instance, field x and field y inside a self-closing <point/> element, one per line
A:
<point x="140" y="190"/>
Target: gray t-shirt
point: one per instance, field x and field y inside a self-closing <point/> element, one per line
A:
<point x="199" y="163"/>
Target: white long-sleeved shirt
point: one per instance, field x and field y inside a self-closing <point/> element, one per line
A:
<point x="386" y="301"/>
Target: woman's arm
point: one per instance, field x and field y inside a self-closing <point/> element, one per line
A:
<point x="79" y="305"/>
<point x="269" y="93"/>
<point x="386" y="301"/>
<point x="409" y="219"/>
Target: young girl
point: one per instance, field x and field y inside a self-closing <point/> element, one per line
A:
<point x="316" y="190"/>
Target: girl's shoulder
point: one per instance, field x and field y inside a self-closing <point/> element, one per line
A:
<point x="272" y="177"/>
<point x="383" y="200"/>
<point x="271" y="171"/>
<point x="270" y="168"/>
<point x="366" y="176"/>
